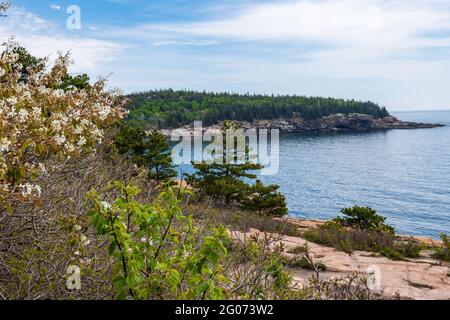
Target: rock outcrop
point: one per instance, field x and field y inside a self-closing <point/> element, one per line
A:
<point x="335" y="122"/>
<point x="424" y="278"/>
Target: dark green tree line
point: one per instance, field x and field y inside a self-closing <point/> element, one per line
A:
<point x="169" y="108"/>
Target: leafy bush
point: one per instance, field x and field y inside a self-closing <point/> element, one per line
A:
<point x="363" y="218"/>
<point x="305" y="264"/>
<point x="392" y="254"/>
<point x="408" y="249"/>
<point x="42" y="239"/>
<point x="156" y="248"/>
<point x="443" y="253"/>
<point x="348" y="240"/>
<point x="256" y="267"/>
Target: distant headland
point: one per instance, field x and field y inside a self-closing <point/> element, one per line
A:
<point x="169" y="110"/>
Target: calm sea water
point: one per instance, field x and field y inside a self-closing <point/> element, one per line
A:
<point x="403" y="174"/>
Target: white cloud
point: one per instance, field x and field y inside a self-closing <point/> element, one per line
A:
<point x="185" y="43"/>
<point x="383" y="50"/>
<point x="41" y="39"/>
<point x="55" y="7"/>
<point x="394" y="52"/>
<point x="381" y="26"/>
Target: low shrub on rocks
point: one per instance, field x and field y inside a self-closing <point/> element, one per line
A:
<point x="349" y="239"/>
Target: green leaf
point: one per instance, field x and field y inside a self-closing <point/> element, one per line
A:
<point x="174" y="279"/>
<point x="160" y="266"/>
<point x="119" y="282"/>
<point x="202" y="288"/>
<point x="112" y="248"/>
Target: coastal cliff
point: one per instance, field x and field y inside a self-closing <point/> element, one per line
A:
<point x="335" y="122"/>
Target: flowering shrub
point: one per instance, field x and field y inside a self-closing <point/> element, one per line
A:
<point x="39" y="120"/>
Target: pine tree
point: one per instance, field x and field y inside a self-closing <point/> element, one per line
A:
<point x="129" y="141"/>
<point x="157" y="158"/>
<point x="223" y="179"/>
<point x="265" y="200"/>
<point x="150" y="151"/>
<point x="227" y="182"/>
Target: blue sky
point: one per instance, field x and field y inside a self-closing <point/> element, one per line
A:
<point x="394" y="52"/>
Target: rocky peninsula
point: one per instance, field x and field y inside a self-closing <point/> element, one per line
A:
<point x="335" y="122"/>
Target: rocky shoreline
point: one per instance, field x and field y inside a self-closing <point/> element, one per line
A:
<point x="422" y="278"/>
<point x="335" y="122"/>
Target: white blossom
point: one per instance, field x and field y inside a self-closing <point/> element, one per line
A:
<point x="105" y="205"/>
<point x="12" y="100"/>
<point x="36" y="112"/>
<point x="81" y="141"/>
<point x="29" y="189"/>
<point x="42" y="168"/>
<point x="61" y="140"/>
<point x="22" y="115"/>
<point x="5" y="144"/>
<point x="56" y="125"/>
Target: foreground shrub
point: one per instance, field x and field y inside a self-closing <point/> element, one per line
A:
<point x="443" y="253"/>
<point x="40" y="121"/>
<point x="158" y="252"/>
<point x="39" y="241"/>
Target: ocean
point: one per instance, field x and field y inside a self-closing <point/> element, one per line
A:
<point x="403" y="174"/>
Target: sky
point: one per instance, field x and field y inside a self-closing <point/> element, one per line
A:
<point x="392" y="52"/>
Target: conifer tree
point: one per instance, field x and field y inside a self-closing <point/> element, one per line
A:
<point x="157" y="158"/>
<point x="265" y="200"/>
<point x="150" y="151"/>
<point x="228" y="182"/>
<point x="129" y="141"/>
<point x="223" y="179"/>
